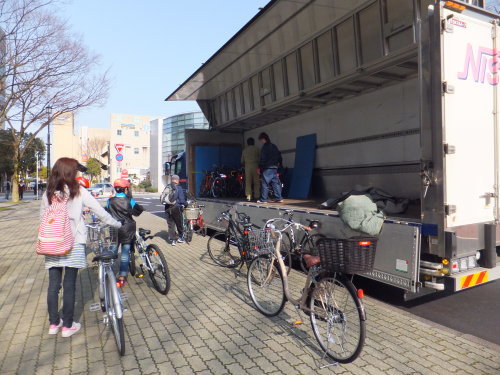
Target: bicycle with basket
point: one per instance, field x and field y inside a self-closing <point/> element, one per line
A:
<point x="329" y="297"/>
<point x="101" y="240"/>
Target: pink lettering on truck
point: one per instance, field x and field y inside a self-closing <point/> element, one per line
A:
<point x="483" y="65"/>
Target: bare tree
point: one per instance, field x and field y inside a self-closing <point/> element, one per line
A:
<point x="43" y="66"/>
<point x="96" y="146"/>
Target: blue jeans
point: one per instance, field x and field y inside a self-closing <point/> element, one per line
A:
<point x="124" y="257"/>
<point x="69" y="284"/>
<point x="270" y="177"/>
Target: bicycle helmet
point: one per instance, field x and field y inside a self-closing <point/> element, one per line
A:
<point x="121" y="183"/>
<point x="83" y="181"/>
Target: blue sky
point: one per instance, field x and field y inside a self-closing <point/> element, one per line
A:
<point x="152" y="46"/>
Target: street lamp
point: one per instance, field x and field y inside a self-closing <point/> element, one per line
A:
<point x="49" y="113"/>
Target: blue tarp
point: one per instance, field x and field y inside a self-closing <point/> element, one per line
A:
<point x="305" y="159"/>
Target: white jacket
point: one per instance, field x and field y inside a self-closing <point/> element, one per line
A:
<point x="75" y="210"/>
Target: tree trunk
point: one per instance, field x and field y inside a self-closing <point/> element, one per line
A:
<point x="15" y="175"/>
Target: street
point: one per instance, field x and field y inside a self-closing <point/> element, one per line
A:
<point x="206" y="324"/>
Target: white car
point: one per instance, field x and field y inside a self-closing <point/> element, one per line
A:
<point x="102" y="189"/>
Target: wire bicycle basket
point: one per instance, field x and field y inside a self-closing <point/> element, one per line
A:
<point x="351" y="256"/>
<point x="261" y="242"/>
<point x="101" y="235"/>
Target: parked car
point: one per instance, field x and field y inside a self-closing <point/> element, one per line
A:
<point x="101" y="189"/>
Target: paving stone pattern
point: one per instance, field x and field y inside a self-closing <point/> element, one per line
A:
<point x="205" y="325"/>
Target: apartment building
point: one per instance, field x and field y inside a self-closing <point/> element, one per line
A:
<point x="130" y="145"/>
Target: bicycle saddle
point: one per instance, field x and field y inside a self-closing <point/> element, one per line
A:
<point x="311" y="260"/>
<point x="144" y="232"/>
<point x="106" y="255"/>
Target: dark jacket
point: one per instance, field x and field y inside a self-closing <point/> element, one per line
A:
<point x="179" y="196"/>
<point x="270" y="156"/>
<point x="122" y="209"/>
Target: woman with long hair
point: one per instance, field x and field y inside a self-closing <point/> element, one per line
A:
<point x="62" y="185"/>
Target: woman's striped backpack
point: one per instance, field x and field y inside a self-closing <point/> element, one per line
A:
<point x="54" y="235"/>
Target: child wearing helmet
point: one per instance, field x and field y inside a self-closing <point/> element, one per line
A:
<point x="122" y="207"/>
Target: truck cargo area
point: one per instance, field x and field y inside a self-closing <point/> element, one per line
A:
<point x="388" y="90"/>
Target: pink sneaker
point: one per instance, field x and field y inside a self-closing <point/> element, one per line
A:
<point x="54" y="329"/>
<point x="68" y="332"/>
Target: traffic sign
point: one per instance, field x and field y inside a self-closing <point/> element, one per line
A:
<point x="124" y="173"/>
<point x="85" y="157"/>
<point x="119" y="157"/>
<point x="119" y="147"/>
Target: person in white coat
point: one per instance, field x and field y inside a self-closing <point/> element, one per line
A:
<point x="62" y="183"/>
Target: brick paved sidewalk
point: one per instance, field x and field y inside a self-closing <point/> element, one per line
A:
<point x="206" y="324"/>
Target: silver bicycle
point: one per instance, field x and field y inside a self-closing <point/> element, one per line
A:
<point x="329" y="297"/>
<point x="101" y="237"/>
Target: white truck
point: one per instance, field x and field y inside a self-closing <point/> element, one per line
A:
<point x="402" y="95"/>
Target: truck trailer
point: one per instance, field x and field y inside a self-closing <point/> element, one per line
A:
<point x="401" y="95"/>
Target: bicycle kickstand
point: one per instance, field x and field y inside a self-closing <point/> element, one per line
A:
<point x="238" y="273"/>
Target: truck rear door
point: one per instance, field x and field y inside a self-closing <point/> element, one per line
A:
<point x="469" y="83"/>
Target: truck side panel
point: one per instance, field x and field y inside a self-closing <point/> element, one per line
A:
<point x="398" y="249"/>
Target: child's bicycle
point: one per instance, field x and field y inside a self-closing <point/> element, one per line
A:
<point x="152" y="261"/>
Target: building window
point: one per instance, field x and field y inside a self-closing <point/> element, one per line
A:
<point x="136" y="150"/>
<point x="119" y="132"/>
<point x="136" y="133"/>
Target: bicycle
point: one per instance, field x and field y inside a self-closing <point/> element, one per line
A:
<point x="101" y="238"/>
<point x="152" y="260"/>
<point x="329" y="297"/>
<point x="206" y="184"/>
<point x="219" y="184"/>
<point x="306" y="244"/>
<point x="235" y="246"/>
<point x="193" y="221"/>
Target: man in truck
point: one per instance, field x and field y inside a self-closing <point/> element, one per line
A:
<point x="270" y="160"/>
<point x="250" y="160"/>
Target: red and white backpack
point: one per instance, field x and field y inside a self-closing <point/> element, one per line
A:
<point x="54" y="235"/>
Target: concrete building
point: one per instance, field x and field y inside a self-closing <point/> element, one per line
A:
<point x="130" y="134"/>
<point x="65" y="142"/>
<point x="167" y="140"/>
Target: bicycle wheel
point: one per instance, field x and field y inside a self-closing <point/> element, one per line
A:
<point x="265" y="285"/>
<point x="223" y="250"/>
<point x="160" y="275"/>
<point x="309" y="247"/>
<point x="131" y="262"/>
<point x="188" y="236"/>
<point x="337" y="318"/>
<point x="218" y="188"/>
<point x="116" y="324"/>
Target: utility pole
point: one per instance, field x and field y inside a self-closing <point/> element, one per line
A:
<point x="36" y="183"/>
<point x="49" y="113"/>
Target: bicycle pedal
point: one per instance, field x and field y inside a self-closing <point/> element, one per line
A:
<point x="95" y="307"/>
<point x="124" y="296"/>
<point x="297" y="323"/>
<point x="140" y="275"/>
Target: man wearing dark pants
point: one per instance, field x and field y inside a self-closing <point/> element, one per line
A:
<point x="174" y="213"/>
<point x="270" y="160"/>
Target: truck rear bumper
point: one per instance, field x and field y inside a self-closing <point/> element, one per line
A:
<point x="477" y="276"/>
